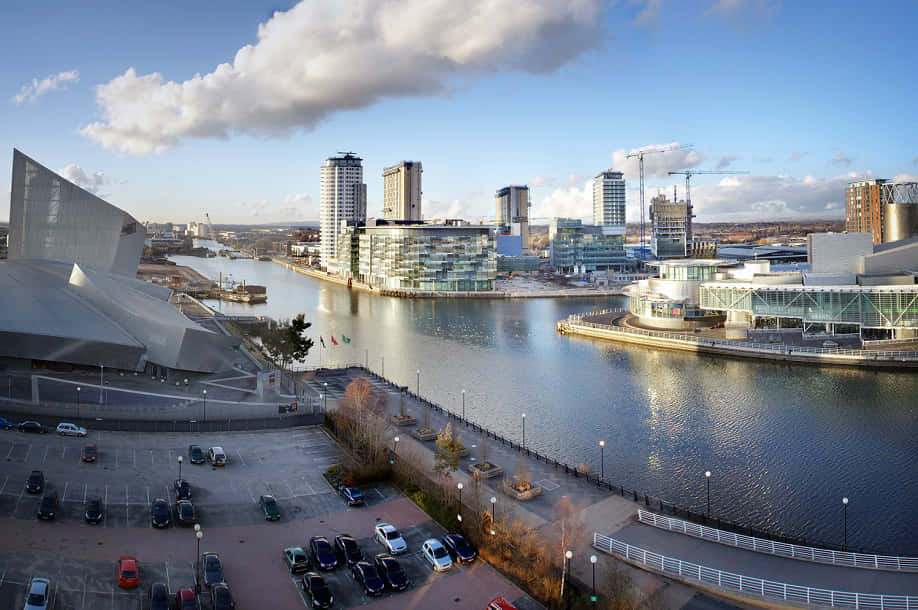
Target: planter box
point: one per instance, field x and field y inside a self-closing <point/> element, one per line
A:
<point x="424" y="436"/>
<point x="486" y="474"/>
<point x="403" y="421"/>
<point x="522" y="496"/>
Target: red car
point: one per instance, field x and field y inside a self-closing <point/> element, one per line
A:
<point x="499" y="603"/>
<point x="186" y="600"/>
<point x="89" y="453"/>
<point x="127" y="572"/>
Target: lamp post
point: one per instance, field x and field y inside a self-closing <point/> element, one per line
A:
<point x="78" y="402"/>
<point x="325" y="396"/>
<point x="198" y="534"/>
<point x="419" y="382"/>
<point x="707" y="478"/>
<point x="568" y="554"/>
<point x="179" y="467"/>
<point x="602" y="460"/>
<point x="463" y="405"/>
<point x="845" y="509"/>
<point x="493" y="505"/>
<point x="204" y="410"/>
<point x="382" y="366"/>
<point x="459" y="486"/>
<point x="101" y="384"/>
<point x="524" y="432"/>
<point x="395" y="445"/>
<point x="593" y="560"/>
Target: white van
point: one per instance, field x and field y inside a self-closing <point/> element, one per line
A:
<point x="68" y="429"/>
<point x="217" y="456"/>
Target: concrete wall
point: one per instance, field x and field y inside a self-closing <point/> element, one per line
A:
<point x="892" y="260"/>
<point x="837" y="252"/>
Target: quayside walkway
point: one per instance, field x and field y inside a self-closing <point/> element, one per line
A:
<point x="614" y="514"/>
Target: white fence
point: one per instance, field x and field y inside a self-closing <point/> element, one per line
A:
<point x="781" y="549"/>
<point x="749" y="585"/>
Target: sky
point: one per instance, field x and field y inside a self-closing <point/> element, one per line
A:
<point x="173" y="109"/>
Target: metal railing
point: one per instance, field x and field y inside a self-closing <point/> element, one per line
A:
<point x="577" y="320"/>
<point x="750" y="585"/>
<point x="781" y="549"/>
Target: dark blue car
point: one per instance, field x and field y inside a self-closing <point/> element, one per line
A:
<point x="323" y="553"/>
<point x="5" y="424"/>
<point x="351" y="494"/>
<point x="365" y="573"/>
<point x="460" y="548"/>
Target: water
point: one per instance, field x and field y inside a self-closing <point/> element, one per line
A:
<point x="784" y="443"/>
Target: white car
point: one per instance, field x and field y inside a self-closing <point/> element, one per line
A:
<point x="436" y="555"/>
<point x="217" y="456"/>
<point x="388" y="536"/>
<point x="68" y="429"/>
<point x="39" y="594"/>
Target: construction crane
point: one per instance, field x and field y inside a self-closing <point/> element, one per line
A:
<point x="688" y="178"/>
<point x="210" y="227"/>
<point x="640" y="157"/>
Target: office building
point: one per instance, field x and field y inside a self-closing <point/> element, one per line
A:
<point x="868" y="201"/>
<point x="575" y="248"/>
<point x="404" y="255"/>
<point x="513" y="213"/>
<point x="343" y="197"/>
<point x="70" y="292"/>
<point x="671" y="228"/>
<point x="609" y="202"/>
<point x="402" y="191"/>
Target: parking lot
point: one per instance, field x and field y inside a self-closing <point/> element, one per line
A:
<point x="133" y="469"/>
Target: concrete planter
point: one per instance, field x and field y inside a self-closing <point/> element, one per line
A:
<point x="522" y="496"/>
<point x="403" y="421"/>
<point x="424" y="436"/>
<point x="494" y="471"/>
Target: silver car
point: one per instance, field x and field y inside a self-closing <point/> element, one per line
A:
<point x="436" y="555"/>
<point x="39" y="596"/>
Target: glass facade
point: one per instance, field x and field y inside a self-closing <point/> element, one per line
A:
<point x="576" y="248"/>
<point x="695" y="271"/>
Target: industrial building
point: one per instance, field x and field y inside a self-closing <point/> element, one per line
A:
<point x="887" y="210"/>
<point x="575" y="248"/>
<point x="343" y="197"/>
<point x="402" y="191"/>
<point x="670" y="228"/>
<point x="513" y="213"/>
<point x="70" y="293"/>
<point x="609" y="201"/>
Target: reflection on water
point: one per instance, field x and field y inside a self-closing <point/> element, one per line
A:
<point x="784" y="443"/>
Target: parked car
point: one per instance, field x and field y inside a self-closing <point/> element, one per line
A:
<point x="32" y="426"/>
<point x="459" y="547"/>
<point x="182" y="489"/>
<point x="127" y="572"/>
<point x="322" y="553"/>
<point x="320" y="595"/>
<point x="211" y="569"/>
<point x="269" y="507"/>
<point x="196" y="454"/>
<point x="388" y="536"/>
<point x="185" y="513"/>
<point x="365" y="573"/>
<point x="68" y="429"/>
<point x="159" y="513"/>
<point x="352" y="495"/>
<point x="436" y="555"/>
<point x="89" y="452"/>
<point x="39" y="597"/>
<point x="499" y="603"/>
<point x="5" y="424"/>
<point x="93" y="512"/>
<point x="348" y="548"/>
<point x="36" y="482"/>
<point x="391" y="572"/>
<point x="216" y="456"/>
<point x="185" y="599"/>
<point x="221" y="598"/>
<point x="159" y="596"/>
<point x="296" y="559"/>
<point x="48" y="505"/>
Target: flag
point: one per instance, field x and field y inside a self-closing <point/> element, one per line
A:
<point x="333" y="340"/>
<point x="322" y="341"/>
<point x="345" y="339"/>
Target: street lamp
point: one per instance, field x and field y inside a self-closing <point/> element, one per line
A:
<point x="78" y="402"/>
<point x="204" y="410"/>
<point x="593" y="560"/>
<point x="179" y="467"/>
<point x="395" y="447"/>
<point x="568" y="554"/>
<point x="602" y="460"/>
<point x="419" y="382"/>
<point x="198" y="534"/>
<point x="325" y="396"/>
<point x="463" y="405"/>
<point x="493" y="505"/>
<point x="707" y="478"/>
<point x="459" y="486"/>
<point x="524" y="432"/>
<point x="845" y="504"/>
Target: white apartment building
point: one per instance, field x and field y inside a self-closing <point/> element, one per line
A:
<point x="609" y="202"/>
<point x="402" y="191"/>
<point x="343" y="196"/>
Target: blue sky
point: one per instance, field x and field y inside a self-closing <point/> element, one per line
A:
<point x="803" y="95"/>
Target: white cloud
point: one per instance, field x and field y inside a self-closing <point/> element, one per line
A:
<point x="745" y="15"/>
<point x="457" y="208"/>
<point x="541" y="181"/>
<point x="323" y="56"/>
<point x="297" y="199"/>
<point x="841" y="160"/>
<point x="905" y="177"/>
<point x="726" y="161"/>
<point x="649" y="13"/>
<point x="656" y="164"/>
<point x="91" y="182"/>
<point x="568" y="202"/>
<point x="54" y="82"/>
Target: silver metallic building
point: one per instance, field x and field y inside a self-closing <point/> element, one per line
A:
<point x="69" y="291"/>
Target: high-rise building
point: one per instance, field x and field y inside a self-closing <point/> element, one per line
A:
<point x="671" y="228"/>
<point x="343" y="197"/>
<point x="513" y="212"/>
<point x="402" y="191"/>
<point x="609" y="202"/>
<point x="867" y="202"/>
<point x="578" y="248"/>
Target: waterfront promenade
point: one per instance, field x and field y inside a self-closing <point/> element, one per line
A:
<point x="610" y="514"/>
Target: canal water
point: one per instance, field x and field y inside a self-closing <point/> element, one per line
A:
<point x="784" y="443"/>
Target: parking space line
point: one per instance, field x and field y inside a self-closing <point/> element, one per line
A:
<point x="290" y="489"/>
<point x="18" y="500"/>
<point x="28" y="453"/>
<point x="151" y="458"/>
<point x="12" y="446"/>
<point x="241" y="459"/>
<point x="249" y="491"/>
<point x="116" y="458"/>
<point x="1" y="493"/>
<point x="66" y="486"/>
<point x="168" y="583"/>
<point x="106" y="495"/>
<point x="63" y="452"/>
<point x="84" y="495"/>
<point x="148" y="494"/>
<point x="45" y="457"/>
